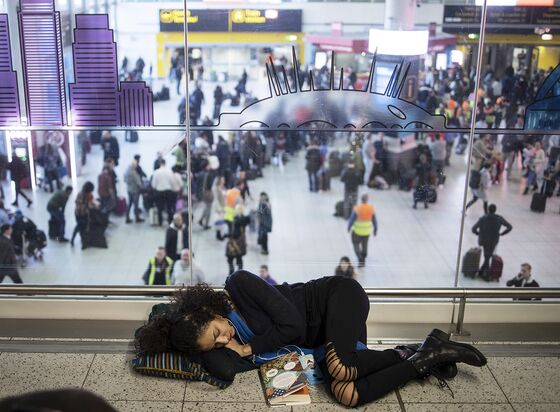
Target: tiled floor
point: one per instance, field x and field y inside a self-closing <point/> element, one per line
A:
<point x="414" y="248"/>
<point x="505" y="384"/>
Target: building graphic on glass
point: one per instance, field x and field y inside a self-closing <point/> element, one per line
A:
<point x="43" y="70"/>
<point x="9" y="99"/>
<point x="95" y="98"/>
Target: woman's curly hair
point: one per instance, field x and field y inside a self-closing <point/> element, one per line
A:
<point x="179" y="327"/>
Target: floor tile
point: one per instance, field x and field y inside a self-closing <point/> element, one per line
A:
<point x="471" y="385"/>
<point x="536" y="407"/>
<point x="147" y="406"/>
<point x="319" y="394"/>
<point x="246" y="388"/>
<point x="228" y="407"/>
<point x="458" y="407"/>
<point x="328" y="407"/>
<point x="528" y="379"/>
<point x="25" y="372"/>
<point x="111" y="377"/>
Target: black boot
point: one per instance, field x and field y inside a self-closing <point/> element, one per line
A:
<point x="438" y="349"/>
<point x="445" y="370"/>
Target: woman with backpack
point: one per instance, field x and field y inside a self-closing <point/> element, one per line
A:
<point x="479" y="182"/>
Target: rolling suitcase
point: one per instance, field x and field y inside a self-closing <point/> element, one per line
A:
<point x="538" y="203"/>
<point x="53" y="229"/>
<point x="471" y="262"/>
<point x="120" y="209"/>
<point x="496" y="269"/>
<point x="339" y="209"/>
<point x="325" y="181"/>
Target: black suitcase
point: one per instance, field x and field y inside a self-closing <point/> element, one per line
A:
<point x="471" y="262"/>
<point x="538" y="203"/>
<point x="339" y="209"/>
<point x="325" y="181"/>
<point x="95" y="136"/>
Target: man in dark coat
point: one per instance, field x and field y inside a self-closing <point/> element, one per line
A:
<point x="313" y="164"/>
<point x="8" y="261"/>
<point x="488" y="230"/>
<point x="18" y="172"/>
<point x="176" y="238"/>
<point x="110" y="146"/>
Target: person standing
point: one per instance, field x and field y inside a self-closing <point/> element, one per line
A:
<point x="313" y="164"/>
<point x="488" y="231"/>
<point x="110" y="146"/>
<point x="362" y="223"/>
<point x="176" y="237"/>
<point x="265" y="222"/>
<point x="218" y="100"/>
<point x="422" y="188"/>
<point x="55" y="207"/>
<point x="233" y="198"/>
<point x="207" y="196"/>
<point x="160" y="268"/>
<point x="351" y="177"/>
<point x="439" y="154"/>
<point x="368" y="154"/>
<point x="84" y="202"/>
<point x="8" y="261"/>
<point x="236" y="246"/>
<point x="133" y="187"/>
<point x="51" y="162"/>
<point x="182" y="270"/>
<point x="162" y="183"/>
<point x="265" y="275"/>
<point x="106" y="191"/>
<point x="18" y="172"/>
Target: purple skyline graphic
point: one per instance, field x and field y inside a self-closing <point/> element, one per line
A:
<point x="95" y="98"/>
<point x="43" y="70"/>
<point x="9" y="97"/>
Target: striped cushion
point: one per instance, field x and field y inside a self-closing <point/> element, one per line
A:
<point x="174" y="365"/>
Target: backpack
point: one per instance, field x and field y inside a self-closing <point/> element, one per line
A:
<point x="474" y="181"/>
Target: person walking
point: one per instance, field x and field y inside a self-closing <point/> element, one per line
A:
<point x="110" y="146"/>
<point x="264" y="212"/>
<point x="488" y="231"/>
<point x="106" y="191"/>
<point x="4" y="216"/>
<point x="176" y="237"/>
<point x="233" y="199"/>
<point x="482" y="152"/>
<point x="362" y="223"/>
<point x="8" y="260"/>
<point x="208" y="178"/>
<point x="18" y="172"/>
<point x="182" y="270"/>
<point x="55" y="207"/>
<point x="236" y="246"/>
<point x="368" y="154"/>
<point x="162" y="183"/>
<point x="134" y="187"/>
<point x="313" y="164"/>
<point x="160" y="268"/>
<point x="479" y="182"/>
<point x="439" y="153"/>
<point x="51" y="163"/>
<point x="352" y="179"/>
<point x="83" y="204"/>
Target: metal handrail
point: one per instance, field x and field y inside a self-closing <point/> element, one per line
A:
<point x="163" y="291"/>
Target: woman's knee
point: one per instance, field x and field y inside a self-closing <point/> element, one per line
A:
<point x="344" y="392"/>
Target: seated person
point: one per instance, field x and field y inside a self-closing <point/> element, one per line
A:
<point x="232" y="331"/>
<point x="524" y="279"/>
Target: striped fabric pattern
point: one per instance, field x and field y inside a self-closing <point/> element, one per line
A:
<point x="174" y="365"/>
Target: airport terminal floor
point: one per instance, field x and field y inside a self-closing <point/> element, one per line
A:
<point x="413" y="248"/>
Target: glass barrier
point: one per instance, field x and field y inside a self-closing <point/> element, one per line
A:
<point x="291" y="118"/>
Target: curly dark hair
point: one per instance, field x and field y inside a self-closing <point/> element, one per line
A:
<point x="179" y="327"/>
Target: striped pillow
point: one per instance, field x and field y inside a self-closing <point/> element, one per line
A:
<point x="174" y="365"/>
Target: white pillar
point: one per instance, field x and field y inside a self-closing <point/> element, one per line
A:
<point x="399" y="14"/>
<point x="12" y="10"/>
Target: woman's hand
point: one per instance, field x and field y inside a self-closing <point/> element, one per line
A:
<point x="242" y="350"/>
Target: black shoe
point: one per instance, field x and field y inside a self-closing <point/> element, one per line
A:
<point x="128" y="220"/>
<point x="438" y="349"/>
<point x="140" y="220"/>
<point x="15" y="204"/>
<point x="445" y="370"/>
<point x="264" y="252"/>
<point x="29" y="202"/>
<point x="526" y="190"/>
<point x="207" y="227"/>
<point x="62" y="240"/>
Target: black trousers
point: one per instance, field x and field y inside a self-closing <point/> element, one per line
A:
<point x="12" y="274"/>
<point x="379" y="372"/>
<point x="20" y="192"/>
<point x="488" y="250"/>
<point x="238" y="261"/>
<point x="360" y="246"/>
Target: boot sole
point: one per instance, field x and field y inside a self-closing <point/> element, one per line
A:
<point x="441" y="335"/>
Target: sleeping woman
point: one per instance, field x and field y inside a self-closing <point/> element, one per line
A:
<point x="246" y="324"/>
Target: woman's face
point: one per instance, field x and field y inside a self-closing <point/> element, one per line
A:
<point x="216" y="335"/>
<point x="344" y="265"/>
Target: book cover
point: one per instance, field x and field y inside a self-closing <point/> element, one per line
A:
<point x="285" y="382"/>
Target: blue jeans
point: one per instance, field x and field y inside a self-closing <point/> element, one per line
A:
<point x="531" y="178"/>
<point x="133" y="199"/>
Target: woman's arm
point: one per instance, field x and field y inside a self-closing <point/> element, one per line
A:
<point x="249" y="292"/>
<point x="224" y="363"/>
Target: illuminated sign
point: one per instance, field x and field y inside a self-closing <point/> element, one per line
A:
<point x="236" y="20"/>
<point x="504" y="19"/>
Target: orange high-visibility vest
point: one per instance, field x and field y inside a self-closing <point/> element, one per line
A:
<point x="363" y="225"/>
<point x="231" y="201"/>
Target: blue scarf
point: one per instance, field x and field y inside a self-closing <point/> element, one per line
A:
<point x="245" y="334"/>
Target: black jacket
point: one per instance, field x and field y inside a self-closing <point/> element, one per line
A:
<point x="8" y="262"/>
<point x="352" y="179"/>
<point x="171" y="241"/>
<point x="111" y="149"/>
<point x="518" y="283"/>
<point x="488" y="229"/>
<point x="313" y="159"/>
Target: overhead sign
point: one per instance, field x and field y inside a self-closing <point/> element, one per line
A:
<point x="236" y="20"/>
<point x="504" y="19"/>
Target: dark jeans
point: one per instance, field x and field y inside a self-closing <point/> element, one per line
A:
<point x="19" y="192"/>
<point x="473" y="201"/>
<point x="313" y="181"/>
<point x="12" y="274"/>
<point x="350" y="200"/>
<point x="57" y="216"/>
<point x="50" y="176"/>
<point x="263" y="240"/>
<point x="238" y="261"/>
<point x="133" y="199"/>
<point x="360" y="246"/>
<point x="488" y="250"/>
<point x="165" y="200"/>
<point x="81" y="226"/>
